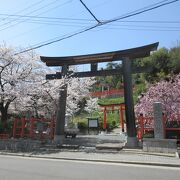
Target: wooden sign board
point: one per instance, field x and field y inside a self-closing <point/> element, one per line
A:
<point x="93" y="123"/>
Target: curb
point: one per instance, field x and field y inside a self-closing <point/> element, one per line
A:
<point x="96" y="160"/>
<point x="132" y="151"/>
<point x="117" y="150"/>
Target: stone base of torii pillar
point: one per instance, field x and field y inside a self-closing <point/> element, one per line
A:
<point x="59" y="139"/>
<point x="131" y="142"/>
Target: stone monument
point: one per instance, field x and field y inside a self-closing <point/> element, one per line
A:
<point x="159" y="144"/>
<point x="158" y="121"/>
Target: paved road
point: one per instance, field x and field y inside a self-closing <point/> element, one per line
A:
<point x="18" y="168"/>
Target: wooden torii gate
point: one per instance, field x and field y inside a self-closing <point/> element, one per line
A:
<point x="126" y="56"/>
<point x="113" y="107"/>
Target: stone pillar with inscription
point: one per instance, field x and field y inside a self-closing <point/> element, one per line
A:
<point x="159" y="143"/>
<point x="158" y="121"/>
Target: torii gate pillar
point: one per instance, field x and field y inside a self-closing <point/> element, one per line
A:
<point x="61" y="111"/>
<point x="129" y="110"/>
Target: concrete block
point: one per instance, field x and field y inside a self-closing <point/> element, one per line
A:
<point x="160" y="145"/>
<point x="165" y="150"/>
<point x="19" y="145"/>
<point x="145" y="148"/>
<point x="110" y="146"/>
<point x="151" y="149"/>
<point x="172" y="150"/>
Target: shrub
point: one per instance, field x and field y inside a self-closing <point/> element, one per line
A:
<point x="82" y="125"/>
<point x="149" y="134"/>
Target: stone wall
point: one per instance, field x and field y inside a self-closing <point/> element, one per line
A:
<point x="22" y="145"/>
<point x="160" y="145"/>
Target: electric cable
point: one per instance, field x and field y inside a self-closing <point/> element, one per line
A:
<point x="29" y="7"/>
<point x="47" y="5"/>
<point x="151" y="7"/>
<point x="55" y="20"/>
<point x="89" y="11"/>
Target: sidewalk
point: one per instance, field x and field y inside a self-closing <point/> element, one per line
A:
<point x="128" y="156"/>
<point x="89" y="148"/>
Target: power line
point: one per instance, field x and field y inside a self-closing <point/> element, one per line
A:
<point x="54" y="18"/>
<point x="37" y="17"/>
<point x="26" y="14"/>
<point x="140" y="12"/>
<point x="113" y="27"/>
<point x="142" y="29"/>
<point x="57" y="40"/>
<point x="75" y="20"/>
<point x="47" y="5"/>
<point x="151" y="7"/>
<point x="118" y="23"/>
<point x="89" y="11"/>
<point x="32" y="5"/>
<point x="49" y="18"/>
<point x="80" y="24"/>
<point x="144" y="26"/>
<point x="151" y="21"/>
<point x="45" y="17"/>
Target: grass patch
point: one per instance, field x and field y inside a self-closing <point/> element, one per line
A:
<point x="107" y="101"/>
<point x="112" y="119"/>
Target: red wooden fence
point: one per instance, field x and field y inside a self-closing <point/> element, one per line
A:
<point x="146" y="124"/>
<point x="28" y="128"/>
<point x="107" y="92"/>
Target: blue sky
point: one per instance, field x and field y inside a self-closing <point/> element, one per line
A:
<point x="115" y="36"/>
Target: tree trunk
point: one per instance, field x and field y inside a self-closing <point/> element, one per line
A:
<point x="4" y="115"/>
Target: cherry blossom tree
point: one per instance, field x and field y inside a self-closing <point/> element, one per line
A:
<point x="77" y="90"/>
<point x="91" y="105"/>
<point x="16" y="73"/>
<point x="167" y="92"/>
<point x="42" y="97"/>
<point x="23" y="86"/>
<point x="45" y="99"/>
